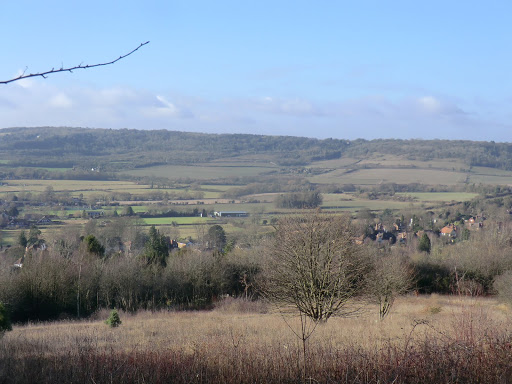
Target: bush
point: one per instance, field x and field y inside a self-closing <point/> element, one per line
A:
<point x="5" y="322"/>
<point x="113" y="320"/>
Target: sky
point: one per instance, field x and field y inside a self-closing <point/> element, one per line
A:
<point x="340" y="69"/>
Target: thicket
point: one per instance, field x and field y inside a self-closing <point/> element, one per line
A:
<point x="299" y="200"/>
<point x="67" y="283"/>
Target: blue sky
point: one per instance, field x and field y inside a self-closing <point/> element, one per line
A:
<point x="342" y="69"/>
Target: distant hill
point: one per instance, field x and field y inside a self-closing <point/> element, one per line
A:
<point x="116" y="150"/>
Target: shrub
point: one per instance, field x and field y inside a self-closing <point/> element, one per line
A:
<point x="113" y="320"/>
<point x="5" y="322"/>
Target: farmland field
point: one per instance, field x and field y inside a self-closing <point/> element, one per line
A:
<point x="74" y="186"/>
<point x="439" y="196"/>
<point x="178" y="220"/>
<point x="390" y="175"/>
<point x="200" y="172"/>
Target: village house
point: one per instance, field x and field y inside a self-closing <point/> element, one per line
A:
<point x="449" y="231"/>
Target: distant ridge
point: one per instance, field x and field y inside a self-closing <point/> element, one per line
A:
<point x="114" y="149"/>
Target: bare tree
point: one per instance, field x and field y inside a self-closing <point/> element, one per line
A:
<point x="314" y="266"/>
<point x="390" y="277"/>
<point x="45" y="74"/>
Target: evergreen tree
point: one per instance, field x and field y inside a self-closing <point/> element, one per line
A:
<point x="216" y="237"/>
<point x="33" y="235"/>
<point x="128" y="211"/>
<point x="156" y="249"/>
<point x="94" y="246"/>
<point x="424" y="244"/>
<point x="113" y="320"/>
<point x="22" y="239"/>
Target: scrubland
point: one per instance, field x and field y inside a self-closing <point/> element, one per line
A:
<point x="436" y="339"/>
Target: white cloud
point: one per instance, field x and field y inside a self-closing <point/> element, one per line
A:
<point x="61" y="100"/>
<point x="292" y="107"/>
<point x="429" y="104"/>
<point x="375" y="116"/>
<point x="168" y="108"/>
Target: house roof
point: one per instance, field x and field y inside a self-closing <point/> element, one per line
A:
<point x="448" y="229"/>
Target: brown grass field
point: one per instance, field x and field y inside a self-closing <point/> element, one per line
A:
<point x="432" y="339"/>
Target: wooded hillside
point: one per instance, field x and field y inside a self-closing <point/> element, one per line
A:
<point x="115" y="150"/>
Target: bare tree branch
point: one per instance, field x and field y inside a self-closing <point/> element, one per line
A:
<point x="44" y="75"/>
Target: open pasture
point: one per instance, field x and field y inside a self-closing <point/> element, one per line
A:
<point x="75" y="187"/>
<point x="439" y="196"/>
<point x="375" y="176"/>
<point x="360" y="204"/>
<point x="498" y="179"/>
<point x="255" y="160"/>
<point x="390" y="161"/>
<point x="402" y="161"/>
<point x="177" y="220"/>
<point x="201" y="172"/>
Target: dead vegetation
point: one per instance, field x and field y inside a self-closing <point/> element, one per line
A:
<point x="464" y="340"/>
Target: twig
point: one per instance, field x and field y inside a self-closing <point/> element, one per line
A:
<point x="44" y="75"/>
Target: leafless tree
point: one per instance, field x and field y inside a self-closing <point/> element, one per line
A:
<point x="390" y="277"/>
<point x="45" y="74"/>
<point x="314" y="266"/>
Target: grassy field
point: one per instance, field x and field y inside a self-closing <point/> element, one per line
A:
<point x="390" y="161"/>
<point x="491" y="179"/>
<point x="439" y="196"/>
<point x="424" y="339"/>
<point x="178" y="220"/>
<point x="74" y="186"/>
<point x="390" y="175"/>
<point x="200" y="172"/>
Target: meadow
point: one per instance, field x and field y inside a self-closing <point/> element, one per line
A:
<point x="433" y="339"/>
<point x="375" y="176"/>
<point x="439" y="196"/>
<point x="201" y="171"/>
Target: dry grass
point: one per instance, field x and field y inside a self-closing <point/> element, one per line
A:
<point x="239" y="342"/>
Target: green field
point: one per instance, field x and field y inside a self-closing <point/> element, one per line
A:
<point x="73" y="186"/>
<point x="439" y="196"/>
<point x="376" y="176"/>
<point x="200" y="172"/>
<point x="178" y="220"/>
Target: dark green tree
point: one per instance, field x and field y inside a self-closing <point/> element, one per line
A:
<point x="216" y="237"/>
<point x="128" y="211"/>
<point x="424" y="244"/>
<point x="13" y="211"/>
<point x="156" y="249"/>
<point x="22" y="239"/>
<point x="113" y="320"/>
<point x="94" y="246"/>
<point x="33" y="235"/>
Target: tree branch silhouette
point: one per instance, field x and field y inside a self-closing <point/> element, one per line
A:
<point x="44" y="75"/>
